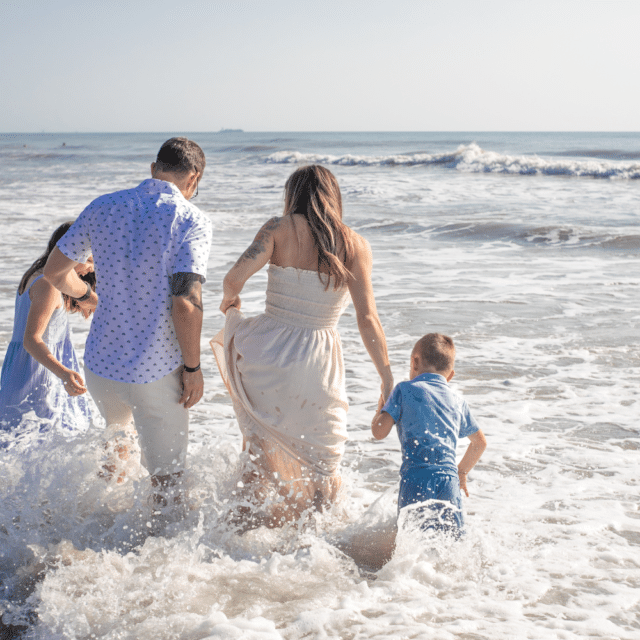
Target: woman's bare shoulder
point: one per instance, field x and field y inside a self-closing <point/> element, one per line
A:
<point x="360" y="245"/>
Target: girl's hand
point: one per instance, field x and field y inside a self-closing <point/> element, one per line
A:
<point x="86" y="313"/>
<point x="230" y="302"/>
<point x="73" y="383"/>
<point x="89" y="305"/>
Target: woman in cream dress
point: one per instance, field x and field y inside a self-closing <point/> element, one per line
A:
<point x="284" y="368"/>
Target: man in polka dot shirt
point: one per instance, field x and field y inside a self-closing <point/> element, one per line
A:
<point x="151" y="247"/>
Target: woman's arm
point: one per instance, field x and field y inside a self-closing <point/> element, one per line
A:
<point x="369" y="324"/>
<point x="251" y="261"/>
<point x="45" y="299"/>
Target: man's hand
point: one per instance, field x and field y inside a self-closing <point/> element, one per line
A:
<point x="192" y="388"/>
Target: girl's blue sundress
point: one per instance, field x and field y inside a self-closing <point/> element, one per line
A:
<point x="25" y="385"/>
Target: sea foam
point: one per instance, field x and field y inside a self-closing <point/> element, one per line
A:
<point x="472" y="158"/>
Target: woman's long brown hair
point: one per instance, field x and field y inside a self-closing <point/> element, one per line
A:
<point x="70" y="304"/>
<point x="313" y="192"/>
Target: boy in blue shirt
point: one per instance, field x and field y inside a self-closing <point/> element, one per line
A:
<point x="430" y="419"/>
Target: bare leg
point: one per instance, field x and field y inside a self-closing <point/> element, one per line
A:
<point x="372" y="548"/>
<point x="168" y="491"/>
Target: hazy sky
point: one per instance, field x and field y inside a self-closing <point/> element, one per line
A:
<point x="319" y="65"/>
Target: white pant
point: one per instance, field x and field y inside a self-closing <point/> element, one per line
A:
<point x="162" y="424"/>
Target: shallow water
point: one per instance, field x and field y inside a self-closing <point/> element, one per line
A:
<point x="536" y="277"/>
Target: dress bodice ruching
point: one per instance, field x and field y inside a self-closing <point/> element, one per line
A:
<point x="299" y="298"/>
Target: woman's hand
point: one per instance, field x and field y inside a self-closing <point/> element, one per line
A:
<point x="73" y="383"/>
<point x="227" y="303"/>
<point x="386" y="386"/>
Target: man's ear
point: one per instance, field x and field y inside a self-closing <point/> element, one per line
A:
<point x="153" y="168"/>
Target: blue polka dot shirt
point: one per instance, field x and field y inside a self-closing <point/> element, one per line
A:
<point x="138" y="238"/>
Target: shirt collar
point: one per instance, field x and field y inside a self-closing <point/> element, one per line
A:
<point x="151" y="185"/>
<point x="431" y="377"/>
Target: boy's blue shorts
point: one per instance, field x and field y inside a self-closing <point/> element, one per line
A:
<point x="441" y="493"/>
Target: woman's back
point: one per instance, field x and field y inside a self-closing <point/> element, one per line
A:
<point x="294" y="245"/>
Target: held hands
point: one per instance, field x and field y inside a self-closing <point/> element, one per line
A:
<point x="73" y="383"/>
<point x="230" y="302"/>
<point x="192" y="388"/>
<point x="386" y="387"/>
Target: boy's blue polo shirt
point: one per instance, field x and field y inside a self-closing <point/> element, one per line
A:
<point x="430" y="418"/>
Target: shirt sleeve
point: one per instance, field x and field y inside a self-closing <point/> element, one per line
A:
<point x="76" y="242"/>
<point x="393" y="405"/>
<point x="193" y="254"/>
<point x="469" y="425"/>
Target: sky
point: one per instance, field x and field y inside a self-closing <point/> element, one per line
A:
<point x="319" y="65"/>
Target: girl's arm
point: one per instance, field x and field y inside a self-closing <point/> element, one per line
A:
<point x="45" y="299"/>
<point x="475" y="449"/>
<point x="369" y="324"/>
<point x="251" y="261"/>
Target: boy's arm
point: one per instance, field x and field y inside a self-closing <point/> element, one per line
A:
<point x="382" y="423"/>
<point x="473" y="453"/>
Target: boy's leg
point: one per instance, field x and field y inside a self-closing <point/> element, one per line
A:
<point x="440" y="493"/>
<point x="447" y="489"/>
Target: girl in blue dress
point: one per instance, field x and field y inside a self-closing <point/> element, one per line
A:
<point x="40" y="368"/>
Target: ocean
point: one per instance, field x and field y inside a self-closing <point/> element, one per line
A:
<point x="523" y="247"/>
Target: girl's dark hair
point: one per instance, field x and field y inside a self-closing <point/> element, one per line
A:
<point x="70" y="304"/>
<point x="313" y="192"/>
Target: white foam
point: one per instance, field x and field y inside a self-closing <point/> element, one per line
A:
<point x="472" y="158"/>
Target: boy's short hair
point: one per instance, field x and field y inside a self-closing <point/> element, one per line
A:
<point x="437" y="351"/>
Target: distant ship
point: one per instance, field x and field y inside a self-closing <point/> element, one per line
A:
<point x="231" y="131"/>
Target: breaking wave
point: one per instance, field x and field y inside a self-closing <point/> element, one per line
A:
<point x="473" y="159"/>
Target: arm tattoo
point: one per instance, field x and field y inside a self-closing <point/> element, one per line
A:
<point x="258" y="246"/>
<point x="189" y="286"/>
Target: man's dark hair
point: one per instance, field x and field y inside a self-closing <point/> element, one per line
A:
<point x="180" y="156"/>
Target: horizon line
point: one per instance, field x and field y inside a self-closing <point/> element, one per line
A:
<point x="241" y="131"/>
